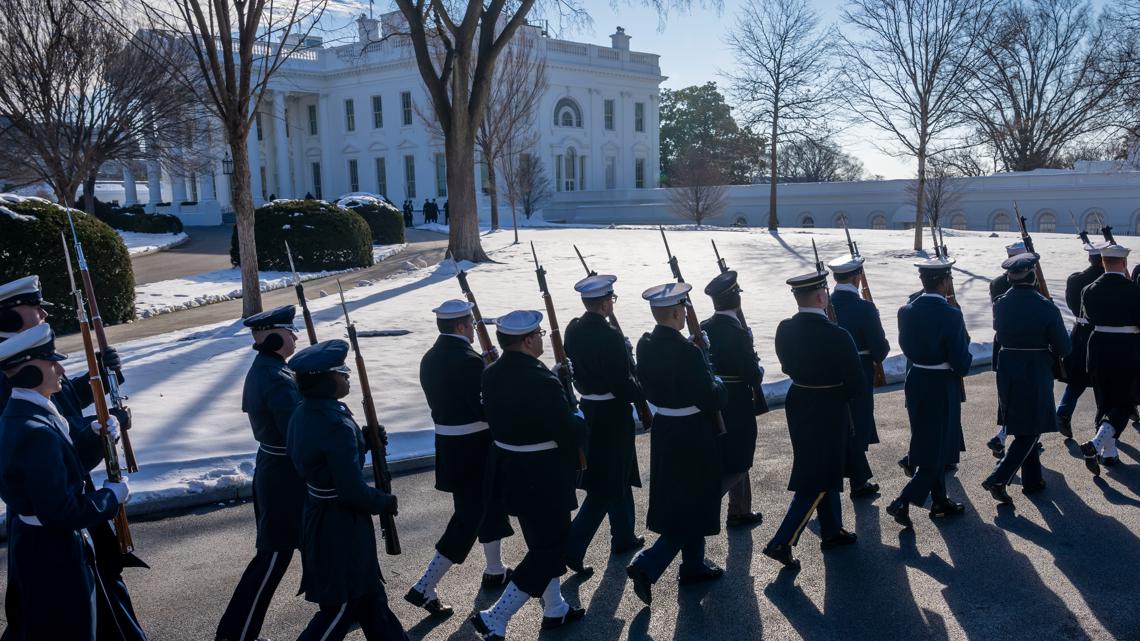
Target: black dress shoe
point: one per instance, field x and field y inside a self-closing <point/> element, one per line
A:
<point x="946" y="508"/>
<point x="996" y="446"/>
<point x="782" y="553"/>
<point x="572" y="615"/>
<point x="1109" y="461"/>
<point x="907" y="468"/>
<point x="434" y="606"/>
<point x="709" y="572"/>
<point x="637" y="543"/>
<point x="866" y="489"/>
<point x="899" y="509"/>
<point x="1065" y="425"/>
<point x="953" y="467"/>
<point x="484" y="629"/>
<point x="496" y="580"/>
<point x="642" y="586"/>
<point x="1033" y="488"/>
<point x="744" y="520"/>
<point x="843" y="537"/>
<point x="1040" y="447"/>
<point x="997" y="490"/>
<point x="1088" y="451"/>
<point x="579" y="568"/>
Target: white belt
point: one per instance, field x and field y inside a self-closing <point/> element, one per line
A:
<point x="942" y="366"/>
<point x="534" y="447"/>
<point x="320" y="492"/>
<point x="1122" y="329"/>
<point x="461" y="430"/>
<point x="832" y="386"/>
<point x="1082" y="321"/>
<point x="608" y="396"/>
<point x="31" y="520"/>
<point x="1024" y="349"/>
<point x="275" y="450"/>
<point x="864" y="352"/>
<point x="678" y="411"/>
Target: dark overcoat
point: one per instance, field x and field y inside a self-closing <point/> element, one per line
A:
<point x="684" y="451"/>
<point x="861" y="320"/>
<point x="734" y="360"/>
<point x="1076" y="368"/>
<point x="1113" y="300"/>
<point x="1031" y="333"/>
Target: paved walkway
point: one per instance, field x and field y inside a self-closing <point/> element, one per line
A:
<point x="208" y="249"/>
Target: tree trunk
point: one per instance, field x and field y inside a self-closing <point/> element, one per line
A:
<point x="493" y="192"/>
<point x="920" y="200"/>
<point x="89" y="194"/>
<point x="515" y="224"/>
<point x="773" y="219"/>
<point x="242" y="200"/>
<point x="459" y="147"/>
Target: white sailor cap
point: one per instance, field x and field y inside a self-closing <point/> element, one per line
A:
<point x="1015" y="249"/>
<point x="667" y="295"/>
<point x="846" y="264"/>
<point x="1114" y="251"/>
<point x="453" y="308"/>
<point x="934" y="264"/>
<point x="596" y="286"/>
<point x="22" y="291"/>
<point x="1094" y="248"/>
<point x="34" y="343"/>
<point x="519" y="322"/>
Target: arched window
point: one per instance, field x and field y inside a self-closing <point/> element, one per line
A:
<point x="1094" y="222"/>
<point x="1136" y="226"/>
<point x="1047" y="223"/>
<point x="1001" y="222"/>
<point x="807" y="222"/>
<point x="878" y="221"/>
<point x="567" y="114"/>
<point x="740" y="221"/>
<point x="958" y="222"/>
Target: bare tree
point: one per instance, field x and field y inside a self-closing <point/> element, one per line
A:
<point x="528" y="186"/>
<point x="1048" y="79"/>
<point x="906" y="67"/>
<point x="784" y="77"/>
<point x="817" y="160"/>
<point x="699" y="191"/>
<point x="236" y="46"/>
<point x="940" y="192"/>
<point x="76" y="93"/>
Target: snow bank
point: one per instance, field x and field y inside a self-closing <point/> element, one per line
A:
<point x="141" y="244"/>
<point x="167" y="296"/>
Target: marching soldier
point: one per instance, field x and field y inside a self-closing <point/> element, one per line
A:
<point x="23" y="307"/>
<point x="534" y="462"/>
<point x="1112" y="306"/>
<point x="451" y="374"/>
<point x="861" y="320"/>
<point x="1031" y="334"/>
<point x="53" y="584"/>
<point x="340" y="570"/>
<point x="1076" y="367"/>
<point x="827" y="374"/>
<point x="933" y="337"/>
<point x="268" y="398"/>
<point x="999" y="286"/>
<point x="685" y="459"/>
<point x="735" y="362"/>
<point x="604" y="376"/>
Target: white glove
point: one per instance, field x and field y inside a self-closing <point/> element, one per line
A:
<point x="719" y="380"/>
<point x="564" y="365"/>
<point x="112" y="427"/>
<point x="704" y="335"/>
<point x="122" y="489"/>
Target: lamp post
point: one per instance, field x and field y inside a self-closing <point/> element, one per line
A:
<point x="227" y="165"/>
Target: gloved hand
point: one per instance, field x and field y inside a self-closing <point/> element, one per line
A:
<point x="110" y="359"/>
<point x="704" y="335"/>
<point x="719" y="380"/>
<point x="112" y="427"/>
<point x="392" y="505"/>
<point x="122" y="489"/>
<point x="491" y="354"/>
<point x="564" y="368"/>
<point x="124" y="416"/>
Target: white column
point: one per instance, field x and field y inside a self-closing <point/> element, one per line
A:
<point x="130" y="191"/>
<point x="281" y="146"/>
<point x="154" y="184"/>
<point x="254" y="166"/>
<point x="177" y="192"/>
<point x="325" y="138"/>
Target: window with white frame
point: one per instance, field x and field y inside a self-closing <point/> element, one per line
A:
<point x="958" y="222"/>
<point x="377" y="112"/>
<point x="639" y="117"/>
<point x="406" y="107"/>
<point x="317" y="180"/>
<point x="608" y="110"/>
<point x="1094" y="223"/>
<point x="349" y="115"/>
<point x="312" y="120"/>
<point x="807" y="222"/>
<point x="611" y="172"/>
<point x="257" y="122"/>
<point x="286" y="122"/>
<point x="441" y="175"/>
<point x="1001" y="222"/>
<point x="569" y="163"/>
<point x="1047" y="223"/>
<point x="410" y="176"/>
<point x="639" y="173"/>
<point x="567" y="113"/>
<point x="353" y="175"/>
<point x="382" y="177"/>
<point x="878" y="221"/>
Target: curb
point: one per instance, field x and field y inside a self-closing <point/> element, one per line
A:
<point x="156" y="250"/>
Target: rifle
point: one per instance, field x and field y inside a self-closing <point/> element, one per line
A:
<point x="1028" y="240"/>
<point x="110" y="452"/>
<point x="300" y="289"/>
<point x="940" y="252"/>
<point x="879" y="376"/>
<point x="757" y="394"/>
<point x="118" y="401"/>
<point x="819" y="270"/>
<point x="639" y="405"/>
<point x="692" y="323"/>
<point x="490" y="354"/>
<point x="564" y="372"/>
<point x="377" y="437"/>
<point x="1106" y="231"/>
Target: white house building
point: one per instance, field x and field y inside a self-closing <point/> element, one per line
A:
<point x="348" y="118"/>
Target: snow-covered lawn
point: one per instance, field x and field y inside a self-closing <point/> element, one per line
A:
<point x="139" y="244"/>
<point x="185" y="387"/>
<point x="167" y="296"/>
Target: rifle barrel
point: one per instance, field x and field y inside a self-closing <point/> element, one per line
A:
<point x="300" y="290"/>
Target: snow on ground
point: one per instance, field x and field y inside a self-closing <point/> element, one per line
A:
<point x="185" y="387"/>
<point x="167" y="296"/>
<point x="139" y="244"/>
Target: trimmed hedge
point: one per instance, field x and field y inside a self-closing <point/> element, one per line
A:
<point x="135" y="219"/>
<point x="385" y="221"/>
<point x="323" y="237"/>
<point x="29" y="244"/>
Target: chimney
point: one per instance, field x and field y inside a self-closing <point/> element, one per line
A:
<point x="620" y="40"/>
<point x="367" y="30"/>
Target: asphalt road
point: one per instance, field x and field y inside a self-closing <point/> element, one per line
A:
<point x="1061" y="565"/>
<point x="208" y="249"/>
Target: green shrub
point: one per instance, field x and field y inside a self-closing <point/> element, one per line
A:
<point x="135" y="219"/>
<point x="30" y="244"/>
<point x="385" y="221"/>
<point x="323" y="237"/>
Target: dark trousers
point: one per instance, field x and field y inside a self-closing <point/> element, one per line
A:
<point x="928" y="480"/>
<point x="858" y="469"/>
<point x="246" y="612"/>
<point x="546" y="533"/>
<point x="658" y="556"/>
<point x="738" y="487"/>
<point x="1021" y="454"/>
<point x="589" y="518"/>
<point x="371" y="612"/>
<point x="1069" y="399"/>
<point x="826" y="506"/>
<point x="473" y="518"/>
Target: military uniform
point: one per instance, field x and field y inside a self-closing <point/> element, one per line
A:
<point x="1031" y="333"/>
<point x="604" y="376"/>
<point x="340" y="570"/>
<point x="998" y="287"/>
<point x="1076" y="367"/>
<point x="268" y="399"/>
